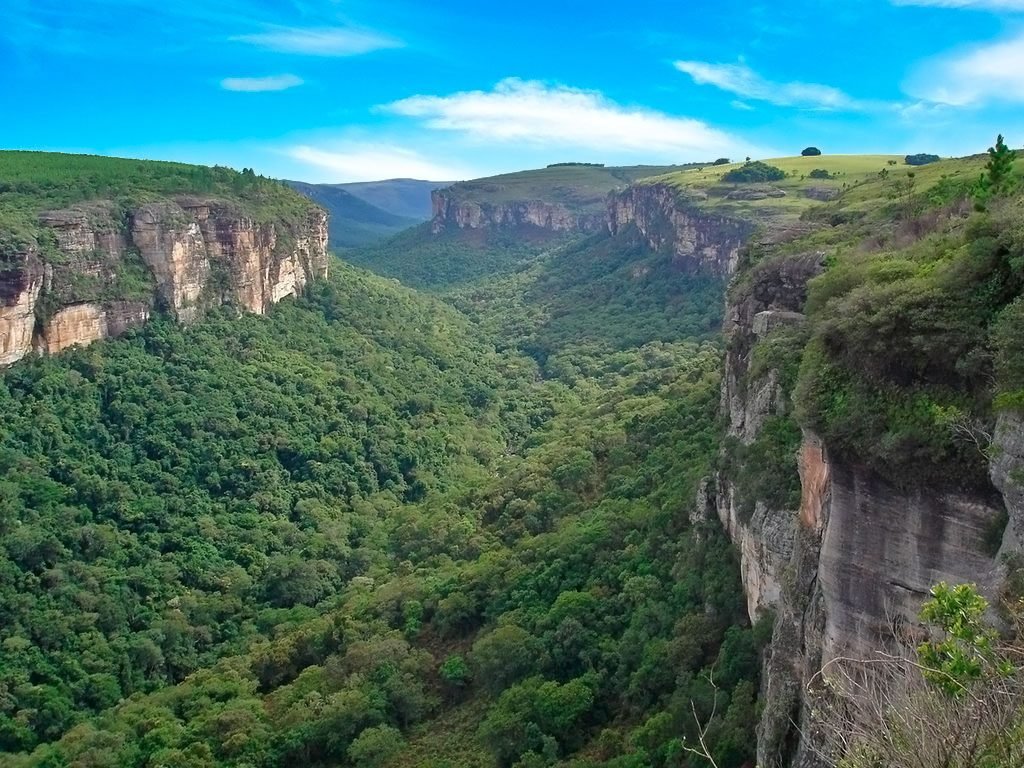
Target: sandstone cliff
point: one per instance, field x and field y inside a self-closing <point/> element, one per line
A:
<point x="699" y="239"/>
<point x="845" y="570"/>
<point x="99" y="269"/>
<point x="451" y="212"/>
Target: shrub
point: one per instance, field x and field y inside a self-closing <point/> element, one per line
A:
<point x="754" y="172"/>
<point x="921" y="159"/>
<point x="376" y="746"/>
<point x="722" y="161"/>
<point x="811" y="152"/>
<point x="820" y="173"/>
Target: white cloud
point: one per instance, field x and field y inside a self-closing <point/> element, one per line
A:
<point x="371" y="162"/>
<point x="988" y="73"/>
<point x="745" y="82"/>
<point x="988" y="5"/>
<point x="741" y="105"/>
<point x="557" y="116"/>
<point x="320" y="41"/>
<point x="259" y="84"/>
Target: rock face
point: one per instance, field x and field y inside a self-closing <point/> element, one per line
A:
<point x="451" y="213"/>
<point x="20" y="284"/>
<point x="698" y="240"/>
<point x="847" y="572"/>
<point x="86" y="323"/>
<point x="113" y="268"/>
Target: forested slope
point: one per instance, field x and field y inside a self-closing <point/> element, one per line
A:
<point x="369" y="529"/>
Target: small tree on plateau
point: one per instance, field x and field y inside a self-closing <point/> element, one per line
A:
<point x="811" y="152"/>
<point x="998" y="176"/>
<point x="1000" y="165"/>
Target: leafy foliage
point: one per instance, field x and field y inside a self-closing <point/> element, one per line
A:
<point x="959" y="659"/>
<point x="36" y="181"/>
<point x="326" y="535"/>
<point x="811" y="152"/>
<point x="902" y="336"/>
<point x="921" y="159"/>
<point x="754" y="172"/>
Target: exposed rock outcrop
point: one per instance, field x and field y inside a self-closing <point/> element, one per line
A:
<point x="848" y="570"/>
<point x="699" y="240"/>
<point x="86" y="323"/>
<point x="449" y="212"/>
<point x="20" y="284"/>
<point x="111" y="269"/>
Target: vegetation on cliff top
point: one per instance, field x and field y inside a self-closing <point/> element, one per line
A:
<point x="914" y="318"/>
<point x="33" y="182"/>
<point x="582" y="187"/>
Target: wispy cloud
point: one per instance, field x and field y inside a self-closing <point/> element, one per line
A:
<point x="369" y="162"/>
<point x="988" y="73"/>
<point x="260" y="84"/>
<point x="538" y="114"/>
<point x="320" y="41"/>
<point x="742" y="81"/>
<point x="985" y="5"/>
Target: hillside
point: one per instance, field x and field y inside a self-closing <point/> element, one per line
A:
<point x="583" y="187"/>
<point x="490" y="526"/>
<point x="499" y="224"/>
<point x="872" y="391"/>
<point x="352" y="222"/>
<point x="370" y="528"/>
<point x="91" y="246"/>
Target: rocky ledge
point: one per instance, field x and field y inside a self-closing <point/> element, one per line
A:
<point x="452" y="213"/>
<point x="105" y="269"/>
<point x="699" y="240"/>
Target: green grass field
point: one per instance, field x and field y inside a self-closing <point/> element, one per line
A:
<point x="861" y="179"/>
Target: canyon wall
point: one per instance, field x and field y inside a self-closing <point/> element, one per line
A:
<point x="698" y="239"/>
<point x="844" y="572"/>
<point x="450" y="212"/>
<point x="99" y="270"/>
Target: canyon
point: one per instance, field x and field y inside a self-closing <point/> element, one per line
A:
<point x="843" y="572"/>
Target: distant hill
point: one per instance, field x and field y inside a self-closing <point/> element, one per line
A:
<point x="409" y="198"/>
<point x="495" y="225"/>
<point x="353" y="221"/>
<point x="583" y="187"/>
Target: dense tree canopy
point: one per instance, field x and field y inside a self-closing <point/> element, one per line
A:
<point x="374" y="529"/>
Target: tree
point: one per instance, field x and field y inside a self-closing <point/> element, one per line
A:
<point x="956" y="700"/>
<point x="722" y="161"/>
<point x="921" y="159"/>
<point x="811" y="152"/>
<point x="505" y="655"/>
<point x="454" y="671"/>
<point x="1000" y="166"/>
<point x="752" y="173"/>
<point x="375" y="746"/>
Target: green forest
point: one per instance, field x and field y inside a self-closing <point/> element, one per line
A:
<point x="445" y="512"/>
<point x="380" y="528"/>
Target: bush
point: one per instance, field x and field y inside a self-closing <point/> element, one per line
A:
<point x="375" y="746"/>
<point x="820" y="173"/>
<point x="921" y="159"/>
<point x="722" y="161"/>
<point x="754" y="172"/>
<point x="811" y="152"/>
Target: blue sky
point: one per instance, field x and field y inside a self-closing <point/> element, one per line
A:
<point x="343" y="90"/>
